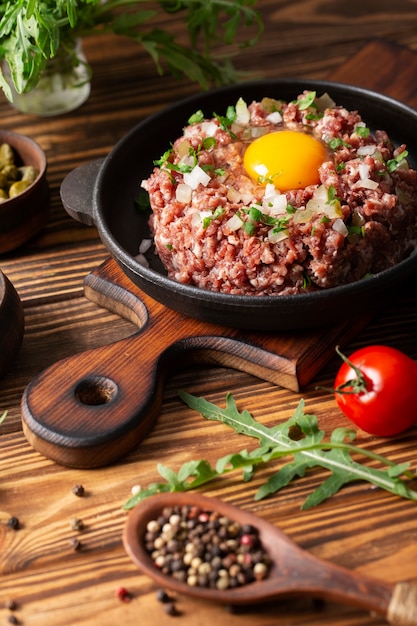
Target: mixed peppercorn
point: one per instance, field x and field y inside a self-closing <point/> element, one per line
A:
<point x="206" y="549"/>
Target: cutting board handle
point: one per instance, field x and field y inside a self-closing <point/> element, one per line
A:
<point x="91" y="409"/>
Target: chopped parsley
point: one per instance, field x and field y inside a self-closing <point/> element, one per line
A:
<point x="336" y="143"/>
<point x="393" y="164"/>
<point x="216" y="214"/>
<point x="256" y="216"/>
<point x="196" y="117"/>
<point x="362" y="131"/>
<point x="306" y="101"/>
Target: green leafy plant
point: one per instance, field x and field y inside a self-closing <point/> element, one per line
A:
<point x="33" y="31"/>
<point x="299" y="438"/>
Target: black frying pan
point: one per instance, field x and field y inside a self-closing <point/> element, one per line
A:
<point x="104" y="192"/>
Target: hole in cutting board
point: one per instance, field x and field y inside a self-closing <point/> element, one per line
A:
<point x="96" y="390"/>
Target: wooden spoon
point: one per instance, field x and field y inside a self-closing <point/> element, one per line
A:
<point x="293" y="571"/>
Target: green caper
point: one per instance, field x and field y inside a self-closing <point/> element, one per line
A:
<point x="3" y="181"/>
<point x="6" y="154"/>
<point x="18" y="187"/>
<point x="13" y="180"/>
<point x="11" y="172"/>
<point x="28" y="173"/>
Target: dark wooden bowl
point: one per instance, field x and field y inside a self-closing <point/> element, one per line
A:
<point x="11" y="323"/>
<point x="23" y="216"/>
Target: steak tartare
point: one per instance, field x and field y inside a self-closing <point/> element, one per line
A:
<point x="235" y="214"/>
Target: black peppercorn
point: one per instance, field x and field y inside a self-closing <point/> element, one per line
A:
<point x="78" y="490"/>
<point x="75" y="544"/>
<point x="11" y="605"/>
<point x="13" y="523"/>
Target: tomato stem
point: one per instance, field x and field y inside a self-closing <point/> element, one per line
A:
<point x="354" y="385"/>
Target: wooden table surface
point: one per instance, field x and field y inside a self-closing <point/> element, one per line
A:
<point x="360" y="528"/>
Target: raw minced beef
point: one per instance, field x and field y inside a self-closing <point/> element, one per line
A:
<point x="216" y="228"/>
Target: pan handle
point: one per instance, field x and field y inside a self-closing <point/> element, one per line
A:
<point x="77" y="191"/>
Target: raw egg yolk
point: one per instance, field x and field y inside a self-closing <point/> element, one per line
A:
<point x="288" y="159"/>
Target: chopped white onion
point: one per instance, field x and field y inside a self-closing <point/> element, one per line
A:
<point x="258" y="131"/>
<point x="196" y="177"/>
<point x="209" y="128"/>
<point x="183" y="193"/>
<point x="187" y="159"/>
<point x="275" y="205"/>
<point x="324" y="102"/>
<point x="275" y="117"/>
<point x="234" y="222"/>
<point x="302" y="216"/>
<point x="357" y="218"/>
<point x="145" y="245"/>
<point x="319" y="203"/>
<point x="367" y="183"/>
<point x="233" y="195"/>
<point x="242" y="112"/>
<point x="363" y="170"/>
<point x="142" y="260"/>
<point x="199" y="216"/>
<point x="365" y="150"/>
<point x="184" y="148"/>
<point x="275" y="237"/>
<point x="340" y="227"/>
<point x="247" y="198"/>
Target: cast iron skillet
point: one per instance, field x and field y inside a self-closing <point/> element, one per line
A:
<point x="104" y="193"/>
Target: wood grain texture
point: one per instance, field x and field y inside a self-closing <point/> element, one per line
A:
<point x="360" y="528"/>
<point x="105" y="411"/>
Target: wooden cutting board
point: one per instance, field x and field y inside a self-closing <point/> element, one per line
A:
<point x="91" y="409"/>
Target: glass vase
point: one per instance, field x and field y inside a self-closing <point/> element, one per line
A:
<point x="64" y="85"/>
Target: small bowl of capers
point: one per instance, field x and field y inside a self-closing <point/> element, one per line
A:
<point x="24" y="191"/>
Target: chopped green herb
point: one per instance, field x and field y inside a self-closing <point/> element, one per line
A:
<point x="216" y="214"/>
<point x="393" y="164"/>
<point x="356" y="230"/>
<point x="225" y="121"/>
<point x="306" y="101"/>
<point x="196" y="117"/>
<point x="33" y="31"/>
<point x="362" y="131"/>
<point x="164" y="158"/>
<point x="256" y="216"/>
<point x="3" y="417"/>
<point x="208" y="142"/>
<point x="331" y="195"/>
<point x="336" y="142"/>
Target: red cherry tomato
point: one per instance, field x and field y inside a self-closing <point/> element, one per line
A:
<point x="376" y="388"/>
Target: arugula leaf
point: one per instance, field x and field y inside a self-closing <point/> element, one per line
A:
<point x="33" y="31"/>
<point x="308" y="450"/>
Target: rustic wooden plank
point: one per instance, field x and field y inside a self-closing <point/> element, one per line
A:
<point x="359" y="528"/>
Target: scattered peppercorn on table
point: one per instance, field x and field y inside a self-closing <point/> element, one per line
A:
<point x="62" y="561"/>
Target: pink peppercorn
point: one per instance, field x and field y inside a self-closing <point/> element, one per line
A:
<point x="123" y="594"/>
